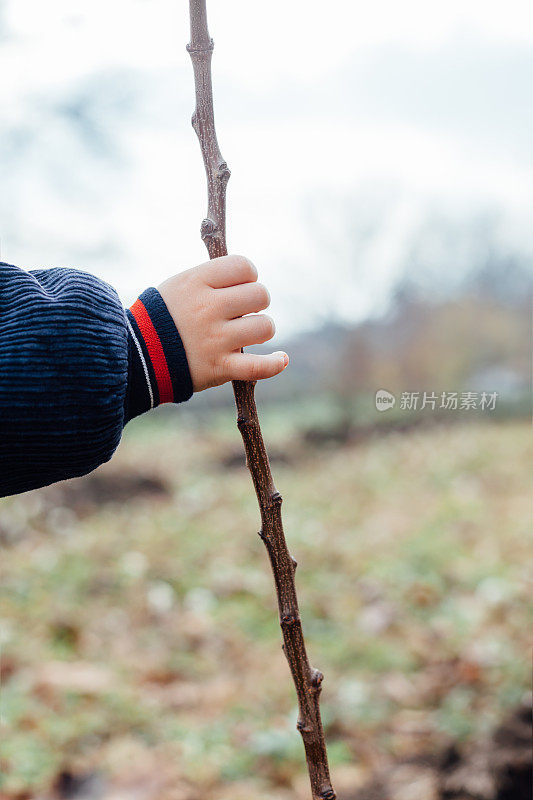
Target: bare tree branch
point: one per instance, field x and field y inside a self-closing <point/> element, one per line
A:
<point x="308" y="681"/>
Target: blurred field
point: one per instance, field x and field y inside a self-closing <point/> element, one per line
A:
<point x="141" y="646"/>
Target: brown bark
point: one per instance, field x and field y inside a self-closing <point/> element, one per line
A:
<point x="308" y="681"/>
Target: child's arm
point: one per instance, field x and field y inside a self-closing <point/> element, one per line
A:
<point x="75" y="367"/>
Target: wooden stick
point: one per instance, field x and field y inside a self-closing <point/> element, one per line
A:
<point x="308" y="681"/>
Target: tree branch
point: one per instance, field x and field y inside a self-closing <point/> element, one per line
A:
<point x="308" y="681"/>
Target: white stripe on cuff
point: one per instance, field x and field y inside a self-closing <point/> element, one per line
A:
<point x="143" y="362"/>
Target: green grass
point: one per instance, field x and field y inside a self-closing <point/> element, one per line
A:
<point x="413" y="585"/>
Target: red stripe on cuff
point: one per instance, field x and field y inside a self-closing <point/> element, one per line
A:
<point x="155" y="351"/>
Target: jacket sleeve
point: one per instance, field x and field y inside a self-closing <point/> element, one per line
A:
<point x="75" y="366"/>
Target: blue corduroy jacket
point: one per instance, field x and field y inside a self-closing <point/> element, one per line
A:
<point x="75" y="366"/>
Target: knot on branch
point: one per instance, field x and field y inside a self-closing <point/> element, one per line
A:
<point x="194" y="122"/>
<point x="316" y="678"/>
<point x="263" y="536"/>
<point x="302" y="727"/>
<point x="242" y="422"/>
<point x="209" y="229"/>
<point x="288" y="619"/>
<point x="206" y="47"/>
<point x="223" y="174"/>
<point x="294" y="563"/>
<point x="328" y="794"/>
<point x="276" y="499"/>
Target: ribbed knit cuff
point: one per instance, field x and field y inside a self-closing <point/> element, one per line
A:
<point x="158" y="368"/>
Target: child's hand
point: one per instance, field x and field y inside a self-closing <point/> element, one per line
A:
<point x="208" y="304"/>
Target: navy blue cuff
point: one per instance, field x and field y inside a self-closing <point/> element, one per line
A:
<point x="158" y="367"/>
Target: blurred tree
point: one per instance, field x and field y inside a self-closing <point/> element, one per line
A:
<point x="456" y="315"/>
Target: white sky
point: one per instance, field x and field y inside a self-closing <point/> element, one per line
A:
<point x="334" y="118"/>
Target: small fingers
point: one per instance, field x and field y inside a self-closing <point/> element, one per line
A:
<point x="253" y="367"/>
<point x="252" y="329"/>
<point x="248" y="298"/>
<point x="229" y="271"/>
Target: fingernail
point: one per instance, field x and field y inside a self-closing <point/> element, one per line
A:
<point x="284" y="357"/>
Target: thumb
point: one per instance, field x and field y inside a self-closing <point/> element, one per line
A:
<point x="253" y="367"/>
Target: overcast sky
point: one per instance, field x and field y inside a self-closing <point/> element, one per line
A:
<point x="345" y="124"/>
